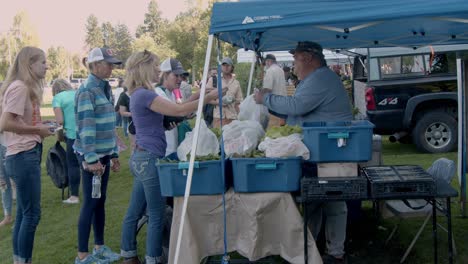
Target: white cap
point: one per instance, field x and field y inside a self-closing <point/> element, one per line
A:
<point x="102" y="54"/>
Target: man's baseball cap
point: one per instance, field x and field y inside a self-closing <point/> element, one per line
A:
<point x="172" y="65"/>
<point x="307" y="46"/>
<point x="227" y="60"/>
<point x="102" y="54"/>
<point x="270" y="57"/>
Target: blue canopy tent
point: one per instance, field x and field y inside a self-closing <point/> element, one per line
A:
<point x="275" y="25"/>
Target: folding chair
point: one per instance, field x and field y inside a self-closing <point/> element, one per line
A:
<point x="441" y="169"/>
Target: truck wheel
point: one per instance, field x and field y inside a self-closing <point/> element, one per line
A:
<point x="435" y="132"/>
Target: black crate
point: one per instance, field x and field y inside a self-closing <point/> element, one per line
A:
<point x="333" y="188"/>
<point x="405" y="181"/>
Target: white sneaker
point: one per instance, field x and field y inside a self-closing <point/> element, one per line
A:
<point x="71" y="201"/>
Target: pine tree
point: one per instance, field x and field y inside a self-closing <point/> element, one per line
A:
<point x="123" y="46"/>
<point x="94" y="36"/>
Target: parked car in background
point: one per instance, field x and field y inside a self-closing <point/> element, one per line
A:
<point x="410" y="94"/>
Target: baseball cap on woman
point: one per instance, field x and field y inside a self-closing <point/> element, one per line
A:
<point x="102" y="54"/>
<point x="172" y="65"/>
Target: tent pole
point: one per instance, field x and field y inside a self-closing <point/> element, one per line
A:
<point x="461" y="168"/>
<point x="194" y="147"/>
<point x="252" y="67"/>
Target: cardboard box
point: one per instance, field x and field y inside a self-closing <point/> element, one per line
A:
<point x="343" y="169"/>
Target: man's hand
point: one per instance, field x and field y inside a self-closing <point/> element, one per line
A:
<point x="259" y="95"/>
<point x="115" y="165"/>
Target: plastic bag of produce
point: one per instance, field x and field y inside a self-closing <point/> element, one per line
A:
<point x="282" y="147"/>
<point x="207" y="143"/>
<point x="249" y="110"/>
<point x="241" y="137"/>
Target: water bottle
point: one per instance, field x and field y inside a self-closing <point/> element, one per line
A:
<point x="96" y="193"/>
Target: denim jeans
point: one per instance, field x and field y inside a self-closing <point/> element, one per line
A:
<point x="118" y="119"/>
<point x="25" y="170"/>
<point x="146" y="193"/>
<point x="7" y="198"/>
<point x="92" y="210"/>
<point x="73" y="168"/>
<point x="125" y="125"/>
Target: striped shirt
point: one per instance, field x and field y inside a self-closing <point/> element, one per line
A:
<point x="95" y="120"/>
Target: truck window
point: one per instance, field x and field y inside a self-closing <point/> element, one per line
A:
<point x="402" y="66"/>
<point x="442" y="63"/>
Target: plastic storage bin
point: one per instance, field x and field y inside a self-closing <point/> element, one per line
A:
<point x="333" y="188"/>
<point x="206" y="178"/>
<point x="403" y="181"/>
<point x="346" y="141"/>
<point x="266" y="174"/>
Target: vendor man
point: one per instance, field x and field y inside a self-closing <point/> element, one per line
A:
<point x="320" y="96"/>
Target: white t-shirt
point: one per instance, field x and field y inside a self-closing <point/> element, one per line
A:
<point x="171" y="135"/>
<point x="274" y="80"/>
<point x="116" y="92"/>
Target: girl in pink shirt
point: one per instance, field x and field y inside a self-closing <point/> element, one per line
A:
<point x="20" y="98"/>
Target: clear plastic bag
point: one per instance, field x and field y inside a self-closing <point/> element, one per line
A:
<point x="250" y="110"/>
<point x="207" y="143"/>
<point x="283" y="147"/>
<point x="242" y="137"/>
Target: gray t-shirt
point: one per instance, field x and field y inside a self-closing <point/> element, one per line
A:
<point x="274" y="80"/>
<point x="148" y="124"/>
<point x="319" y="97"/>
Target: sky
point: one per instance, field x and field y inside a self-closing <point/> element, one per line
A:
<point x="62" y="22"/>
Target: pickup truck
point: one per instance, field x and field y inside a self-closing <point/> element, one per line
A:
<point x="410" y="95"/>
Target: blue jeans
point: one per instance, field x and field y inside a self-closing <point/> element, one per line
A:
<point x="92" y="210"/>
<point x="118" y="119"/>
<point x="7" y="198"/>
<point x="73" y="168"/>
<point x="125" y="125"/>
<point x="25" y="170"/>
<point x="146" y="194"/>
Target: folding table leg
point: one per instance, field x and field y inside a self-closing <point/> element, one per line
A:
<point x="449" y="229"/>
<point x="434" y="228"/>
<point x="306" y="246"/>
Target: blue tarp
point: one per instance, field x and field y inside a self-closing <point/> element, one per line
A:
<point x="279" y="25"/>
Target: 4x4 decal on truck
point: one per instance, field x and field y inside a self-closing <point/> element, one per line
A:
<point x="389" y="101"/>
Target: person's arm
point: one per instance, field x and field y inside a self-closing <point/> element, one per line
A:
<point x="58" y="115"/>
<point x="15" y="100"/>
<point x="124" y="111"/>
<point x="165" y="107"/>
<point x="239" y="96"/>
<point x="306" y="99"/>
<point x="86" y="126"/>
<point x="9" y="123"/>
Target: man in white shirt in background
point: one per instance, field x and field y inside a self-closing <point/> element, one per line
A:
<point x="274" y="80"/>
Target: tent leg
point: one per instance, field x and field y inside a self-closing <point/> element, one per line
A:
<point x="461" y="81"/>
<point x="196" y="131"/>
<point x="252" y="67"/>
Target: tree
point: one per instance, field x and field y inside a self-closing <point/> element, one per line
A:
<point x="94" y="37"/>
<point x="22" y="33"/>
<point x="147" y="42"/>
<point x="154" y="25"/>
<point x="123" y="46"/>
<point x="109" y="34"/>
<point x="60" y="64"/>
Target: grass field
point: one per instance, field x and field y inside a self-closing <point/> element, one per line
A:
<point x="56" y="236"/>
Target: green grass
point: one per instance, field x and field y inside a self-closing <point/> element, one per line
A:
<point x="56" y="236"/>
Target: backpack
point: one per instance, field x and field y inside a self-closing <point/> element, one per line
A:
<point x="56" y="166"/>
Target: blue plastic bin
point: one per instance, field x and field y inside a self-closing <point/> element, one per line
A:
<point x="206" y="178"/>
<point x="323" y="139"/>
<point x="266" y="174"/>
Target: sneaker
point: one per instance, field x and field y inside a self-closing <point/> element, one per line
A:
<point x="90" y="259"/>
<point x="71" y="201"/>
<point x="329" y="259"/>
<point x="104" y="252"/>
